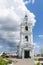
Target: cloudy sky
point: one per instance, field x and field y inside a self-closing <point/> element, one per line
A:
<point x="11" y="15"/>
<point x="37" y="9"/>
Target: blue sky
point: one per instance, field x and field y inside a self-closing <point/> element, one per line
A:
<point x="8" y="33"/>
<point x="37" y="9"/>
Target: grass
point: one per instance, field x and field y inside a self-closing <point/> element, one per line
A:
<point x="4" y="61"/>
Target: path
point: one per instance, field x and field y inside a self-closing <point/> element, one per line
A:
<point x="23" y="61"/>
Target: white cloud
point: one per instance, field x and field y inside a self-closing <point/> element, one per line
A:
<point x="40" y="36"/>
<point x="3" y="12"/>
<point x="33" y="1"/>
<point x="16" y="9"/>
<point x="1" y="46"/>
<point x="11" y="14"/>
<point x="29" y="1"/>
<point x="11" y="36"/>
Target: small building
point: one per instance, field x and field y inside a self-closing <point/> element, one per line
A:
<point x="25" y="48"/>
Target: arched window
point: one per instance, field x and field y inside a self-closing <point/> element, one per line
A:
<point x="26" y="28"/>
<point x="26" y="37"/>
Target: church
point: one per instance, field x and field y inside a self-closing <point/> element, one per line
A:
<point x="25" y="47"/>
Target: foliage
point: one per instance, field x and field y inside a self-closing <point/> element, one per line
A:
<point x="38" y="63"/>
<point x="41" y="63"/>
<point x="4" y="61"/>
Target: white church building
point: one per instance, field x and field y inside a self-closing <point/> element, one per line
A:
<point x="25" y="48"/>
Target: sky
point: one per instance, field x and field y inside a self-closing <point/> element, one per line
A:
<point x="12" y="13"/>
<point x="37" y="9"/>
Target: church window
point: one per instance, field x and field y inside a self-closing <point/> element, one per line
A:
<point x="26" y="28"/>
<point x="26" y="38"/>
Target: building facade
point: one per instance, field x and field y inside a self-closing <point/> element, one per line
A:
<point x="26" y="39"/>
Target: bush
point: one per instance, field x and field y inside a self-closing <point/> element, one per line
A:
<point x="38" y="63"/>
<point x="41" y="63"/>
<point x="36" y="58"/>
<point x="9" y="61"/>
<point x="4" y="61"/>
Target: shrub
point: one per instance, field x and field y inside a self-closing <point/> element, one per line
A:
<point x="38" y="63"/>
<point x="4" y="61"/>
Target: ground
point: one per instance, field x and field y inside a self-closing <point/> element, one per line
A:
<point x="22" y="61"/>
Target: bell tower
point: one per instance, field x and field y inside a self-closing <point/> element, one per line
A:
<point x="26" y="39"/>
